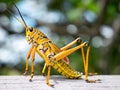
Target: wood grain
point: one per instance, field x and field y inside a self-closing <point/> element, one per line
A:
<point x="108" y="82"/>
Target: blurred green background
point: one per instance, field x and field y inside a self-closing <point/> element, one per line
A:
<point x="62" y="21"/>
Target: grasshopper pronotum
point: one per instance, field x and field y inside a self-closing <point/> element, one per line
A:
<point x="53" y="56"/>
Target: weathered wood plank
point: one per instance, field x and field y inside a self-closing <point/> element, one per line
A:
<point x="108" y="82"/>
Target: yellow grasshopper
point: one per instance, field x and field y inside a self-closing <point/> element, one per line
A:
<point x="53" y="56"/>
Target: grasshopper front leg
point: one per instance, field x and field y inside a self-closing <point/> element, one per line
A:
<point x="28" y="56"/>
<point x="33" y="58"/>
<point x="30" y="53"/>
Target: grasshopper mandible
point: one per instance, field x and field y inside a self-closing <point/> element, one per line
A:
<point x="53" y="56"/>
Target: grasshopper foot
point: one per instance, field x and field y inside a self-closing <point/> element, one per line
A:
<point x="93" y="81"/>
<point x="30" y="79"/>
<point x="25" y="73"/>
<point x="43" y="74"/>
<point x="51" y="85"/>
<point x="31" y="76"/>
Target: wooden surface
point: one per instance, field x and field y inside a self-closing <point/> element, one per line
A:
<point x="108" y="82"/>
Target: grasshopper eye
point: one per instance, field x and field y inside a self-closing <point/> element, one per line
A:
<point x="31" y="29"/>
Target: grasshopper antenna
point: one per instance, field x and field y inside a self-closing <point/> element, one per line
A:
<point x="16" y="18"/>
<point x="23" y="21"/>
<point x="20" y="15"/>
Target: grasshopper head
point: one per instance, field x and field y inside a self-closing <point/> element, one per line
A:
<point x="29" y="34"/>
<point x="29" y="30"/>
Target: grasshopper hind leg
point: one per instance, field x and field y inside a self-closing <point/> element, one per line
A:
<point x="85" y="61"/>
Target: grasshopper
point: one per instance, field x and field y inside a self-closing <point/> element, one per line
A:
<point x="53" y="55"/>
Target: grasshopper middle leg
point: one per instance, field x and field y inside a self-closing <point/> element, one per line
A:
<point x="44" y="68"/>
